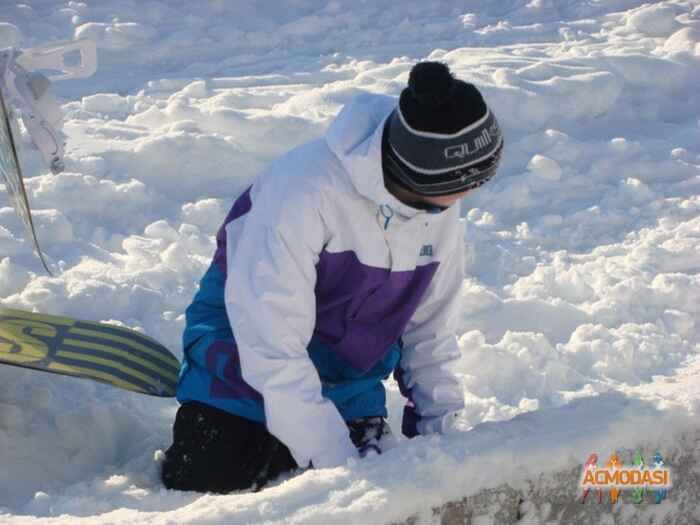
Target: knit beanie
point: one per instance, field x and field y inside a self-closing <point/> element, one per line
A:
<point x="442" y="138"/>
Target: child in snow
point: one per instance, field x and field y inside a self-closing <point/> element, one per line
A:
<point x="340" y="265"/>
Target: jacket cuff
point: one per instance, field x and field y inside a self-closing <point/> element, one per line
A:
<point x="335" y="456"/>
<point x="413" y="424"/>
<point x="439" y="424"/>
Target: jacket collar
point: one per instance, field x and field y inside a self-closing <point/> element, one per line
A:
<point x="355" y="137"/>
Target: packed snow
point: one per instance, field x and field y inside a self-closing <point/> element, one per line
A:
<point x="581" y="316"/>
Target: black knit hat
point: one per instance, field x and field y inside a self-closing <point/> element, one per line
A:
<point x="442" y="138"/>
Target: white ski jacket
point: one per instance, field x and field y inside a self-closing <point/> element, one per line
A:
<point x="320" y="248"/>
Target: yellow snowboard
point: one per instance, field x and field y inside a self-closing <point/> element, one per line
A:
<point x="102" y="352"/>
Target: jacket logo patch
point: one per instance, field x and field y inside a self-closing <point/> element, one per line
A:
<point x="426" y="250"/>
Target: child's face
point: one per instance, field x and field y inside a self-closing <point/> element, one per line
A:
<point x="409" y="197"/>
<point x="444" y="201"/>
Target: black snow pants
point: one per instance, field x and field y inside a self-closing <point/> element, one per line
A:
<point x="214" y="451"/>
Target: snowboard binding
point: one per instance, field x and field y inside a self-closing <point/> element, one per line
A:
<point x="27" y="90"/>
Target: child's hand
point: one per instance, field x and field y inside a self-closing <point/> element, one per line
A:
<point x="371" y="436"/>
<point x="369" y="450"/>
<point x="445" y="424"/>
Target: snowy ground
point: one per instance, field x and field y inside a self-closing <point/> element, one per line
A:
<point x="582" y="306"/>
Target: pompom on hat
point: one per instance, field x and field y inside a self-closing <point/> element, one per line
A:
<point x="442" y="138"/>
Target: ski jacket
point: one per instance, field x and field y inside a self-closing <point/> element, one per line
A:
<point x="322" y="284"/>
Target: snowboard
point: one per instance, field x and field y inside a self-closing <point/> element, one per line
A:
<point x="110" y="354"/>
<point x="11" y="172"/>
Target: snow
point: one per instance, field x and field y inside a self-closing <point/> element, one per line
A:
<point x="581" y="308"/>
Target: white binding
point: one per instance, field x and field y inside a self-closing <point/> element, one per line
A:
<point x="28" y="91"/>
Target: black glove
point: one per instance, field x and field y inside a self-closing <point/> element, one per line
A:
<point x="371" y="434"/>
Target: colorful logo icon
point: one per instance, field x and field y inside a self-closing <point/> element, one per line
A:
<point x="615" y="477"/>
